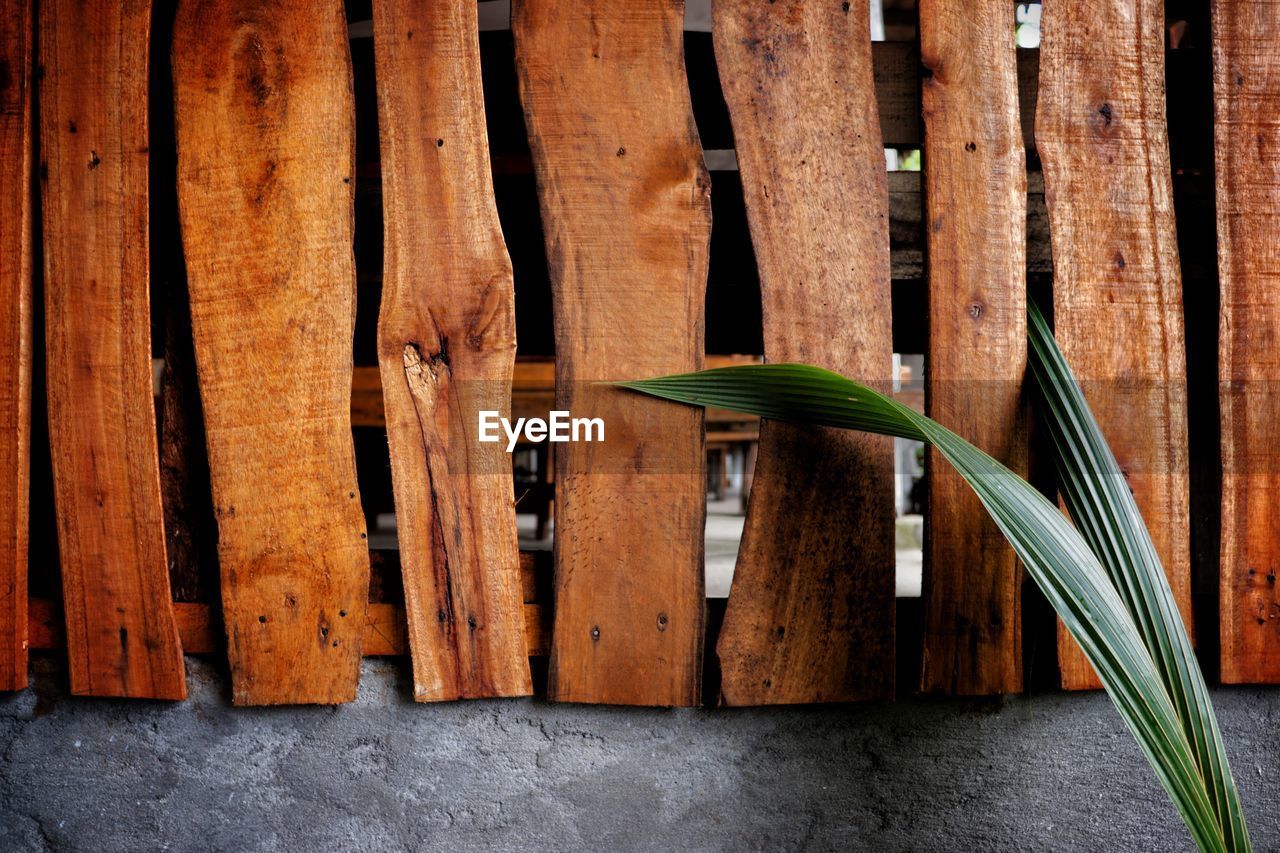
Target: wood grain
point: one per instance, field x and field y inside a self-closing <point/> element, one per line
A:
<point x="385" y="629"/>
<point x="1100" y="127"/>
<point x="1246" y="79"/>
<point x="810" y="616"/>
<point x="975" y="204"/>
<point x="265" y="131"/>
<point x="15" y="334"/>
<point x="122" y="640"/>
<point x="625" y="204"/>
<point x="446" y="349"/>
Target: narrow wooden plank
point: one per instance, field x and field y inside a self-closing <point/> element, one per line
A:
<point x="15" y="334"/>
<point x="810" y="616"/>
<point x="122" y="640"/>
<point x="265" y="128"/>
<point x="1246" y="78"/>
<point x="976" y="203"/>
<point x="1117" y="289"/>
<point x="446" y="347"/>
<point x="625" y="206"/>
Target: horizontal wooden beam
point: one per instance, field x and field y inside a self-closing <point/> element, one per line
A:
<point x="385" y="632"/>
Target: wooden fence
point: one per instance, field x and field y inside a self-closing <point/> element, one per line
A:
<point x="1086" y="164"/>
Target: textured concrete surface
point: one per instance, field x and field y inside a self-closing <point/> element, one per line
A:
<point x="1048" y="772"/>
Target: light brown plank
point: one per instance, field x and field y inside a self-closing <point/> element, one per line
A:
<point x="625" y="206"/>
<point x="1246" y="80"/>
<point x="122" y="640"/>
<point x="975" y="200"/>
<point x="265" y="133"/>
<point x="15" y="334"/>
<point x="810" y="615"/>
<point x="446" y="346"/>
<point x="1117" y="287"/>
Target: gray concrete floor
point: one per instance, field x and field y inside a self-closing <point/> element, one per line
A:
<point x="1049" y="772"/>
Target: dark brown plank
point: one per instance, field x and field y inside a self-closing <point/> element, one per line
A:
<point x="1117" y="287"/>
<point x="1246" y="78"/>
<point x="265" y="131"/>
<point x="626" y="210"/>
<point x="810" y="617"/>
<point x="15" y="335"/>
<point x="447" y="344"/>
<point x="122" y="640"/>
<point x="975" y="203"/>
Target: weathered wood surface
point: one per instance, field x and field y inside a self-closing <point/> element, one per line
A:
<point x="1100" y="127"/>
<point x="15" y="334"/>
<point x="446" y="348"/>
<point x="122" y="640"/>
<point x="810" y="616"/>
<point x="975" y="204"/>
<point x="265" y="115"/>
<point x="625" y="204"/>
<point x="385" y="628"/>
<point x="1247" y="141"/>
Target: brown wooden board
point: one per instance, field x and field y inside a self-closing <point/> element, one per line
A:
<point x="15" y="334"/>
<point x="446" y="347"/>
<point x="1100" y="129"/>
<point x="1246" y="79"/>
<point x="810" y="616"/>
<point x="265" y="131"/>
<point x="122" y="640"/>
<point x="625" y="206"/>
<point x="975" y="205"/>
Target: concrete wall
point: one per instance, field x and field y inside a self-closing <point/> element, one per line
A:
<point x="1049" y="772"/>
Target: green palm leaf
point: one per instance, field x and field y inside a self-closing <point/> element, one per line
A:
<point x="1104" y="578"/>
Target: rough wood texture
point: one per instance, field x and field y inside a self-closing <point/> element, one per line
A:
<point x="265" y="132"/>
<point x="625" y="204"/>
<point x="1100" y="127"/>
<point x="446" y="347"/>
<point x="1246" y="78"/>
<point x="122" y="640"/>
<point x="975" y="201"/>
<point x="15" y="334"/>
<point x="385" y="630"/>
<point x="810" y="616"/>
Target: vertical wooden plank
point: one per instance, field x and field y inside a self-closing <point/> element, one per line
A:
<point x="625" y="206"/>
<point x="265" y="128"/>
<point x="446" y="349"/>
<point x="121" y="635"/>
<point x="15" y="335"/>
<point x="1246" y="78"/>
<point x="1100" y="132"/>
<point x="975" y="203"/>
<point x="810" y="616"/>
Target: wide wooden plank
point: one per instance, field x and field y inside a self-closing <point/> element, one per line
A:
<point x="446" y="349"/>
<point x="810" y="616"/>
<point x="1100" y="127"/>
<point x="265" y="133"/>
<point x="1246" y="80"/>
<point x="15" y="334"/>
<point x="625" y="206"/>
<point x="122" y="640"/>
<point x="975" y="204"/>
